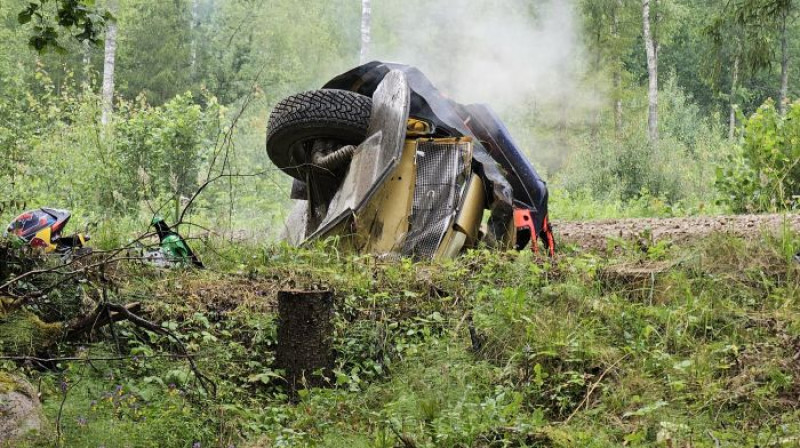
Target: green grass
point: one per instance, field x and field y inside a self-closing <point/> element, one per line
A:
<point x="570" y="355"/>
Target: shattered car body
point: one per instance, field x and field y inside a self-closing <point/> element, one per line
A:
<point x="413" y="178"/>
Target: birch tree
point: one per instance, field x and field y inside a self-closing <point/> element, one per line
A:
<point x="651" y="47"/>
<point x="759" y="15"/>
<point x="109" y="57"/>
<point x="366" y="29"/>
<point x="617" y="71"/>
<point x="784" y="93"/>
<point x="734" y="87"/>
<point x="193" y="31"/>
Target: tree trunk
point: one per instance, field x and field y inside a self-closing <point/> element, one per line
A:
<point x="110" y="55"/>
<point x="784" y="69"/>
<point x="652" y="72"/>
<point x="597" y="117"/>
<point x="617" y="76"/>
<point x="734" y="85"/>
<point x="193" y="43"/>
<point x="617" y="82"/>
<point x="5" y="270"/>
<point x="87" y="63"/>
<point x="366" y="29"/>
<point x="305" y="337"/>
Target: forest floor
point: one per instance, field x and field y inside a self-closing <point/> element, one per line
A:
<point x="637" y="334"/>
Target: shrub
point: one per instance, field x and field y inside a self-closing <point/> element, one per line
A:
<point x="764" y="174"/>
<point x="625" y="171"/>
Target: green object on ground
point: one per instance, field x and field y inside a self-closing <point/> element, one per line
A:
<point x="175" y="248"/>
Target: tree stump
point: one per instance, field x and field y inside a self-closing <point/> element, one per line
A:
<point x="5" y="255"/>
<point x="305" y="337"/>
<point x="636" y="281"/>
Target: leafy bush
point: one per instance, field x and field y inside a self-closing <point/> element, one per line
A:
<point x="626" y="171"/>
<point x="159" y="150"/>
<point x="765" y="173"/>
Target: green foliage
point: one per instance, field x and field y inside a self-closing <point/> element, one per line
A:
<point x="155" y="65"/>
<point x="158" y="151"/>
<point x="567" y="355"/>
<point x="765" y="174"/>
<point x="51" y="19"/>
<point x="626" y="169"/>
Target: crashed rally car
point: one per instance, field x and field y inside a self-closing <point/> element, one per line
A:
<point x="383" y="161"/>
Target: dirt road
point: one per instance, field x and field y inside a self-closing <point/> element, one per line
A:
<point x="596" y="234"/>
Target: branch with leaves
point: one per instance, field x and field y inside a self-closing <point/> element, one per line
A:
<point x="50" y="19"/>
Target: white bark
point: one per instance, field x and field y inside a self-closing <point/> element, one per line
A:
<point x="193" y="32"/>
<point x="652" y="72"/>
<point x="734" y="84"/>
<point x="366" y="29"/>
<point x="87" y="63"/>
<point x="617" y="76"/>
<point x="108" y="67"/>
<point x="784" y="69"/>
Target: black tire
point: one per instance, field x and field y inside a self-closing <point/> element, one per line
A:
<point x="330" y="114"/>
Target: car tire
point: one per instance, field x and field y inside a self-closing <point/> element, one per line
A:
<point x="338" y="115"/>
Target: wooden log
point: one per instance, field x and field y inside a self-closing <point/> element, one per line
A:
<point x="305" y="338"/>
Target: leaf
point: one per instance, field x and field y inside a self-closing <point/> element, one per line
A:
<point x="342" y="379"/>
<point x="264" y="377"/>
<point x="646" y="409"/>
<point x="26" y="14"/>
<point x="683" y="365"/>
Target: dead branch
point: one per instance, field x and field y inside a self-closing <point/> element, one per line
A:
<point x="205" y="382"/>
<point x="108" y="313"/>
<point x="88" y="359"/>
<point x="100" y="317"/>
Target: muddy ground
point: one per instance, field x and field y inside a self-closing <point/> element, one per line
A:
<point x="602" y="234"/>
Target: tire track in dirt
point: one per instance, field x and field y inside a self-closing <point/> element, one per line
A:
<point x="596" y="235"/>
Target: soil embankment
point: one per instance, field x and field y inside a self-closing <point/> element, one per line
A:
<point x="598" y="234"/>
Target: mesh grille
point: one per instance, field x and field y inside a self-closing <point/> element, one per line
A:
<point x="442" y="170"/>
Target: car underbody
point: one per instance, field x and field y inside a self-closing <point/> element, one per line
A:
<point x="387" y="165"/>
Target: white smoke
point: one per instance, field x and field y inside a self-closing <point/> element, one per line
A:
<point x="499" y="52"/>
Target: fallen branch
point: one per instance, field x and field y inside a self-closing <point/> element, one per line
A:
<point x="146" y="324"/>
<point x="101" y="316"/>
<point x="88" y="358"/>
<point x="108" y="313"/>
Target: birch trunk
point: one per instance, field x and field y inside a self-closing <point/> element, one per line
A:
<point x="108" y="67"/>
<point x="366" y="29"/>
<point x="193" y="43"/>
<point x="652" y="72"/>
<point x="87" y="63"/>
<point x="784" y="69"/>
<point x="617" y="76"/>
<point x="734" y="84"/>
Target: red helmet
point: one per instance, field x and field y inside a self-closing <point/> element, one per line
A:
<point x="26" y="225"/>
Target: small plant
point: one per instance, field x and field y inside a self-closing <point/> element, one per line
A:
<point x="764" y="176"/>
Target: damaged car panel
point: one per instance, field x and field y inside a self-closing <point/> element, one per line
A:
<point x="375" y="159"/>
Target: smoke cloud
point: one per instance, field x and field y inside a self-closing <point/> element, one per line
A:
<point x="492" y="51"/>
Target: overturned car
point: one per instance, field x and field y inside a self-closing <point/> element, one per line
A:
<point x="383" y="161"/>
